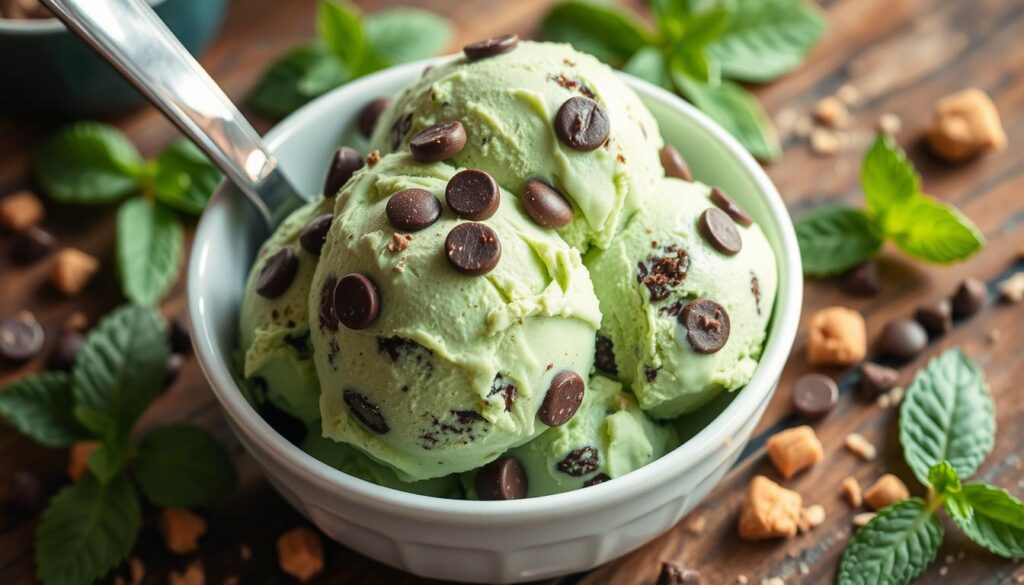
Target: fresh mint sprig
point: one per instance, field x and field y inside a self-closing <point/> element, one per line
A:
<point x="696" y="48"/>
<point x="947" y="428"/>
<point x="90" y="163"/>
<point x="90" y="526"/>
<point x="835" y="239"/>
<point x="350" y="46"/>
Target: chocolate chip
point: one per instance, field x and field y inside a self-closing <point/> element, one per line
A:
<point x="344" y="164"/>
<point x="472" y="248"/>
<point x="177" y="335"/>
<point x="399" y="128"/>
<point x="314" y="235"/>
<point x="720" y="231"/>
<point x="172" y="368"/>
<point x="580" y="462"/>
<point x="730" y="207"/>
<point x="491" y="47"/>
<point x="413" y="209"/>
<point x="64" y="353"/>
<point x="356" y="302"/>
<point x="876" y="380"/>
<point x="674" y="163"/>
<point x="862" y="281"/>
<point x="438" y="142"/>
<point x="676" y="574"/>
<point x="707" y="325"/>
<point x="814" y="396"/>
<point x="24" y="494"/>
<point x="366" y="412"/>
<point x="277" y="274"/>
<point x="755" y="289"/>
<point x="563" y="399"/>
<point x="604" y="355"/>
<point x="969" y="297"/>
<point x="501" y="479"/>
<point x="472" y="194"/>
<point x="902" y="339"/>
<point x="661" y="273"/>
<point x="369" y="115"/>
<point x="328" y="318"/>
<point x="506" y="387"/>
<point x="599" y="478"/>
<point x="545" y="205"/>
<point x="582" y="124"/>
<point x="21" y="337"/>
<point x="32" y="244"/>
<point x="936" y="319"/>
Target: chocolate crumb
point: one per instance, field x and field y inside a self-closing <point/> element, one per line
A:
<point x="580" y="462"/>
<point x="662" y="273"/>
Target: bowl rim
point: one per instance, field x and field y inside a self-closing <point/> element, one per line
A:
<point x="310" y="470"/>
<point x="38" y="26"/>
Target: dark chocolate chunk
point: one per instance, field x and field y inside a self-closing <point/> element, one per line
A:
<point x="172" y="368"/>
<point x="438" y="142"/>
<point x="491" y="47"/>
<point x="24" y="494"/>
<point x="936" y="319"/>
<point x="604" y="356"/>
<point x="413" y="209"/>
<point x="582" y="124"/>
<point x="344" y="164"/>
<point x="676" y="574"/>
<point x="814" y="396"/>
<point x="369" y="115"/>
<point x="580" y="462"/>
<point x="32" y="244"/>
<point x="902" y="339"/>
<point x="730" y="207"/>
<point x="661" y="273"/>
<point x="755" y="289"/>
<point x="472" y="194"/>
<point x="862" y="281"/>
<point x="472" y="248"/>
<point x="545" y="205"/>
<point x="563" y="399"/>
<point x="720" y="231"/>
<point x="21" y="337"/>
<point x="277" y="274"/>
<point x="314" y="235"/>
<point x="969" y="297"/>
<point x="366" y="412"/>
<point x="178" y="336"/>
<point x="707" y="325"/>
<point x="876" y="380"/>
<point x="599" y="478"/>
<point x="356" y="301"/>
<point x="501" y="479"/>
<point x="674" y="164"/>
<point x="506" y="387"/>
<point x="300" y="343"/>
<point x="328" y="318"/>
<point x="64" y="353"/>
<point x="650" y="374"/>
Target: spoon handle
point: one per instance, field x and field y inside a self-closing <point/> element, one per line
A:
<point x="129" y="35"/>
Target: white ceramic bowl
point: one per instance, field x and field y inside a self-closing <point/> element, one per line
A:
<point x="470" y="540"/>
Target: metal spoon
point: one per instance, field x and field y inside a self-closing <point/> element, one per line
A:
<point x="129" y="35"/>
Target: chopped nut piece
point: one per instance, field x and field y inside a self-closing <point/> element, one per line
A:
<point x="812" y="517"/>
<point x="770" y="511"/>
<point x="860" y="446"/>
<point x="965" y="125"/>
<point x="1012" y="289"/>
<point x="848" y="94"/>
<point x="831" y="111"/>
<point x="399" y="242"/>
<point x="696" y="525"/>
<point x="20" y="210"/>
<point x="373" y="158"/>
<point x="886" y="491"/>
<point x="851" y="491"/>
<point x="863" y="518"/>
<point x="192" y="575"/>
<point x="300" y="554"/>
<point x="78" y="458"/>
<point x="72" y="270"/>
<point x="838" y="337"/>
<point x="824" y="142"/>
<point x="794" y="450"/>
<point x="896" y="395"/>
<point x="181" y="530"/>
<point x="891" y="124"/>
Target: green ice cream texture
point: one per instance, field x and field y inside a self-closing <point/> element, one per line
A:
<point x="457" y="365"/>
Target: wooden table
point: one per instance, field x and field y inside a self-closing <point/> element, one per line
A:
<point x="900" y="54"/>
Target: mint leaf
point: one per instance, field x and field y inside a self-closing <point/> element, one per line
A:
<point x="696" y="30"/>
<point x="944" y="479"/>
<point x="183" y="466"/>
<point x="834" y="239"/>
<point x="341" y="30"/>
<point x="40" y="407"/>
<point x="87" y="529"/>
<point x="933" y="231"/>
<point x="947" y="414"/>
<point x="401" y="35"/>
<point x="887" y="176"/>
<point x="894" y="548"/>
<point x="89" y="163"/>
<point x="119" y="370"/>
<point x="323" y="76"/>
<point x="696" y="66"/>
<point x="767" y="39"/>
<point x="738" y="112"/>
<point x="995" y="519"/>
<point x="185" y="178"/>
<point x="149" y="244"/>
<point x="285" y="86"/>
<point x="649" y="64"/>
<point x="109" y="457"/>
<point x="610" y="34"/>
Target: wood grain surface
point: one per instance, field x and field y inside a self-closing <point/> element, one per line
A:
<point x="900" y="54"/>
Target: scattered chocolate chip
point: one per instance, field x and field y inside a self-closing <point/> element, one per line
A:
<point x="676" y="574"/>
<point x="472" y="248"/>
<point x="545" y="205"/>
<point x="175" y="362"/>
<point x="277" y="274"/>
<point x="328" y="318"/>
<point x="707" y="325"/>
<point x="399" y="128"/>
<point x="720" y="231"/>
<point x="969" y="297"/>
<point x="32" y="244"/>
<point x="491" y="47"/>
<point x="501" y="479"/>
<point x="936" y="319"/>
<point x="563" y="399"/>
<point x="64" y="353"/>
<point x="314" y="235"/>
<point x="21" y="337"/>
<point x="814" y="396"/>
<point x="344" y="164"/>
<point x="356" y="301"/>
<point x="755" y="289"/>
<point x="369" y="115"/>
<point x="582" y="124"/>
<point x="661" y="273"/>
<point x="438" y="142"/>
<point x="506" y="387"/>
<point x="674" y="163"/>
<point x="24" y="494"/>
<point x="580" y="462"/>
<point x="902" y="339"/>
<point x="730" y="207"/>
<point x="472" y="194"/>
<point x="604" y="355"/>
<point x="650" y="374"/>
<point x="413" y="209"/>
<point x="177" y="335"/>
<point x="300" y="343"/>
<point x="599" y="478"/>
<point x="366" y="412"/>
<point x="876" y="380"/>
<point x="862" y="281"/>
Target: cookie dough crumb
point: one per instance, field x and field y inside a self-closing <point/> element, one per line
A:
<point x="770" y="511"/>
<point x="696" y="525"/>
<point x="794" y="450"/>
<point x="888" y="490"/>
<point x="891" y="124"/>
<point x="300" y="553"/>
<point x="965" y="124"/>
<point x="812" y="517"/>
<point x="78" y="458"/>
<point x="1012" y="289"/>
<point x="848" y="94"/>
<point x="861" y="520"/>
<point x="72" y="270"/>
<point x="181" y="530"/>
<point x="399" y="242"/>
<point x="852" y="492"/>
<point x="838" y="337"/>
<point x="824" y="142"/>
<point x="832" y="112"/>
<point x="373" y="158"/>
<point x="21" y="210"/>
<point x="861" y="447"/>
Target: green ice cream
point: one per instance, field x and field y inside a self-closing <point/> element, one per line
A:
<point x="507" y="104"/>
<point x="454" y="370"/>
<point x="646" y="278"/>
